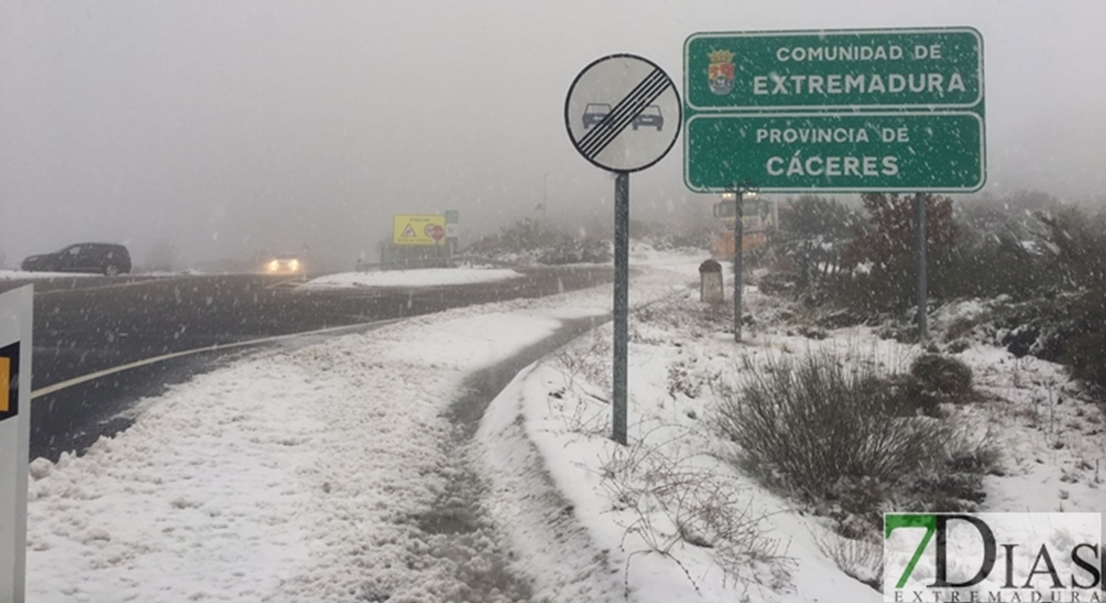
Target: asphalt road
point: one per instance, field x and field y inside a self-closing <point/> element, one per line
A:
<point x="86" y="325"/>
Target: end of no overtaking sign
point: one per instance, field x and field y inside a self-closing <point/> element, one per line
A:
<point x="623" y="113"/>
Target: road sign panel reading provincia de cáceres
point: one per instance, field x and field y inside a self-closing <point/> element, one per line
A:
<point x="623" y="113"/>
<point x="835" y="110"/>
<point x="884" y="152"/>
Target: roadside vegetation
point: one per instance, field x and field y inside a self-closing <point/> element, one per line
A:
<point x="851" y="441"/>
<point x="1039" y="267"/>
<point x="532" y="242"/>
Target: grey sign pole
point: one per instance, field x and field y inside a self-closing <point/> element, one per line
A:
<point x="738" y="264"/>
<point x="923" y="328"/>
<point x="621" y="301"/>
<point x="623" y="114"/>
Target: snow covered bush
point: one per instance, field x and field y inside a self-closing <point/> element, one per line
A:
<point x="1085" y="352"/>
<point x="843" y="436"/>
<point x="934" y="380"/>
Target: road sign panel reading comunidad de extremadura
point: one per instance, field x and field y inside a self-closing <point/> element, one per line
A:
<point x="835" y="110"/>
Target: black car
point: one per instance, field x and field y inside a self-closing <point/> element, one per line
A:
<point x="594" y="113"/>
<point x="650" y="116"/>
<point x="106" y="258"/>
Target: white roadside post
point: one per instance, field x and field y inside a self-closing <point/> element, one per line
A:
<point x="16" y="309"/>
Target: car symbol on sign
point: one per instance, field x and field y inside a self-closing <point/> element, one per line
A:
<point x="650" y="116"/>
<point x="594" y="113"/>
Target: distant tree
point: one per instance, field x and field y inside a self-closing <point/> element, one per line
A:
<point x="886" y="248"/>
<point x="812" y="232"/>
<point x="1077" y="242"/>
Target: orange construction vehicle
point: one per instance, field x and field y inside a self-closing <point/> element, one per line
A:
<point x="758" y="217"/>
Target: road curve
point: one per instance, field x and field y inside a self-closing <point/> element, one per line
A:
<point x="86" y="325"/>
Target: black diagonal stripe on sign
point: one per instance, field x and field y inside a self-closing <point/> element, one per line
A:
<point x="631" y="109"/>
<point x="621" y="108"/>
<point x="620" y="111"/>
<point x="625" y="120"/>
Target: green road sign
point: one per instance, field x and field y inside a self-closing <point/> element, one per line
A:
<point x="452" y="216"/>
<point x="803" y="152"/>
<point x="878" y="110"/>
<point x="853" y="69"/>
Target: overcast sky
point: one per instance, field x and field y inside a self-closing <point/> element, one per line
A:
<point x="231" y="127"/>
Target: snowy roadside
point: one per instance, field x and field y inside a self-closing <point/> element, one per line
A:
<point x="23" y="275"/>
<point x="293" y="475"/>
<point x="601" y="501"/>
<point x="331" y="472"/>
<point x="428" y="277"/>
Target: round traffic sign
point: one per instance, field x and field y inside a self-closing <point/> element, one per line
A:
<point x="623" y="113"/>
<point x="434" y="231"/>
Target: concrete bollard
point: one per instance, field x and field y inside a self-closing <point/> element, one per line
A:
<point x="711" y="290"/>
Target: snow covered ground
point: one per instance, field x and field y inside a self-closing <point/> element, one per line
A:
<point x="21" y="275"/>
<point x="428" y="277"/>
<point x="310" y="474"/>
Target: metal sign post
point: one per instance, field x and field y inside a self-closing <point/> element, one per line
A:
<point x="623" y="114"/>
<point x="923" y="327"/>
<point x="739" y="190"/>
<point x="620" y="375"/>
<point x="16" y="309"/>
<point x="738" y="263"/>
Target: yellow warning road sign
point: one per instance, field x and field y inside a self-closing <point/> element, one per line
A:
<point x="418" y="229"/>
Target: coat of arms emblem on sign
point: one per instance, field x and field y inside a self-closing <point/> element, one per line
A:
<point x="721" y="72"/>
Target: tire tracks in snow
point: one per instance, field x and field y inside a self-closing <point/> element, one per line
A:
<point x="458" y="525"/>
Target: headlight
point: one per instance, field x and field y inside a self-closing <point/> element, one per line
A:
<point x="273" y="265"/>
<point x="295" y="264"/>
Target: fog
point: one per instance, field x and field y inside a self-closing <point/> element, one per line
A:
<point x="228" y="128"/>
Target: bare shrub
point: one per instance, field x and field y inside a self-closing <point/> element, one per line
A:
<point x="860" y="559"/>
<point x="580" y="411"/>
<point x="678" y="498"/>
<point x="837" y="435"/>
<point x="814" y="421"/>
<point x="946" y="377"/>
<point x="589" y="361"/>
<point x="684" y="379"/>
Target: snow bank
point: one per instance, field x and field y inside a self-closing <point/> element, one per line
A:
<point x="414" y="278"/>
<point x="22" y="275"/>
<point x="291" y="477"/>
<point x="554" y="420"/>
<point x="301" y="475"/>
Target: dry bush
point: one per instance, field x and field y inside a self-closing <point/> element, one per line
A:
<point x="814" y="422"/>
<point x="836" y="435"/>
<point x="690" y="499"/>
<point x="684" y="379"/>
<point x="589" y="361"/>
<point x="860" y="559"/>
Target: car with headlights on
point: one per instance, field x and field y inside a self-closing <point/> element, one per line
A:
<point x="285" y="263"/>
